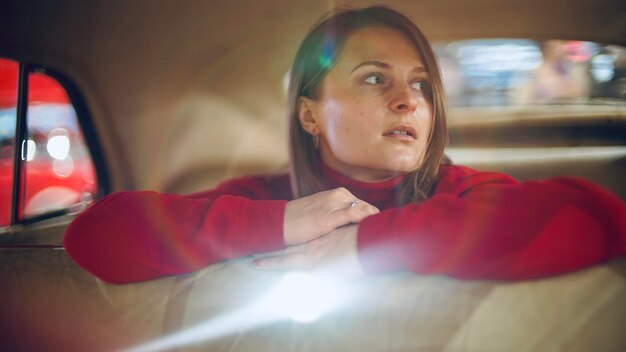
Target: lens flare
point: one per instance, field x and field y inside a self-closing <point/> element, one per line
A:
<point x="299" y="296"/>
<point x="303" y="297"/>
<point x="325" y="60"/>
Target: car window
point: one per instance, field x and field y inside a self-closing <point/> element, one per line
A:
<point x="536" y="109"/>
<point x="56" y="169"/>
<point x="510" y="72"/>
<point x="59" y="171"/>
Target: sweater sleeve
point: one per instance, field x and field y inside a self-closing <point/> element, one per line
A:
<point x="489" y="226"/>
<point x="135" y="236"/>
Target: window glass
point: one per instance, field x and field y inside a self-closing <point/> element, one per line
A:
<point x="59" y="171"/>
<point x="8" y="101"/>
<point x="501" y="72"/>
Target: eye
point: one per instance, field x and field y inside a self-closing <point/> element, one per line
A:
<point x="419" y="85"/>
<point x="374" y="79"/>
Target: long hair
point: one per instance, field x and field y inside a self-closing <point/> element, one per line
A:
<point x="316" y="56"/>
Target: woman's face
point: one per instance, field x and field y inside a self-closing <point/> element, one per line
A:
<point x="373" y="115"/>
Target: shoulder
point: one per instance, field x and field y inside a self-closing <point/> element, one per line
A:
<point x="255" y="187"/>
<point x="457" y="179"/>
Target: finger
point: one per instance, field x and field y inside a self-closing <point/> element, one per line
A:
<point x="354" y="214"/>
<point x="364" y="207"/>
<point x="342" y="193"/>
<point x="340" y="198"/>
<point x="284" y="262"/>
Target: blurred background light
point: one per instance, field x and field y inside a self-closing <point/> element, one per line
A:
<point x="31" y="150"/>
<point x="58" y="145"/>
<point x="603" y="67"/>
<point x="63" y="167"/>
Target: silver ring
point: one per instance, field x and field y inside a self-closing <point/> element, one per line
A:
<point x="355" y="202"/>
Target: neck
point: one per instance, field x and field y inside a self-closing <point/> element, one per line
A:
<point x="360" y="174"/>
<point x="364" y="174"/>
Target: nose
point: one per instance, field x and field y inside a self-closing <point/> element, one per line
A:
<point x="404" y="101"/>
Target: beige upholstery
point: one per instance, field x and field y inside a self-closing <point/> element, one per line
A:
<point x="48" y="301"/>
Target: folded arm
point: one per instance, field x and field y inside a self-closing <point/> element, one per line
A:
<point x="487" y="226"/>
<point x="136" y="236"/>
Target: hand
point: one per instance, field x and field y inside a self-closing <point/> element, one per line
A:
<point x="334" y="254"/>
<point x="316" y="215"/>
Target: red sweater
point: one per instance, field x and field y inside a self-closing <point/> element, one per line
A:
<point x="476" y="225"/>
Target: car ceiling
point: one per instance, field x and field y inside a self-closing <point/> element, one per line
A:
<point x="168" y="81"/>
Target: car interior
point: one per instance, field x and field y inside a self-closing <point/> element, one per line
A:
<point x="177" y="96"/>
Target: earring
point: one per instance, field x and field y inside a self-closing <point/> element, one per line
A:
<point x="316" y="141"/>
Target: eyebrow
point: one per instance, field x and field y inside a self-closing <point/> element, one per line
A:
<point x="380" y="64"/>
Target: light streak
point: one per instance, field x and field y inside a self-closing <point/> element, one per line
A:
<point x="299" y="296"/>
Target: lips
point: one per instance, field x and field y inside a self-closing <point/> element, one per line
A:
<point x="401" y="132"/>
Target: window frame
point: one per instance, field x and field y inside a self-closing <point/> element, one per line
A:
<point x="24" y="232"/>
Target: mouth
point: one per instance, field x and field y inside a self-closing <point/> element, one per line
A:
<point x="401" y="132"/>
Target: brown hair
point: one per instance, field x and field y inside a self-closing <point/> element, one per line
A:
<point x="316" y="56"/>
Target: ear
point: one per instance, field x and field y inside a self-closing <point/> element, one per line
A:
<point x="307" y="115"/>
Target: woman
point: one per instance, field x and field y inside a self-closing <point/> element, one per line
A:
<point x="369" y="190"/>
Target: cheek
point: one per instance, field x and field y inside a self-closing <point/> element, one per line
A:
<point x="424" y="115"/>
<point x="341" y="122"/>
<point x="333" y="124"/>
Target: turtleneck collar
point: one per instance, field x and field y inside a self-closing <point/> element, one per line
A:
<point x="383" y="194"/>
